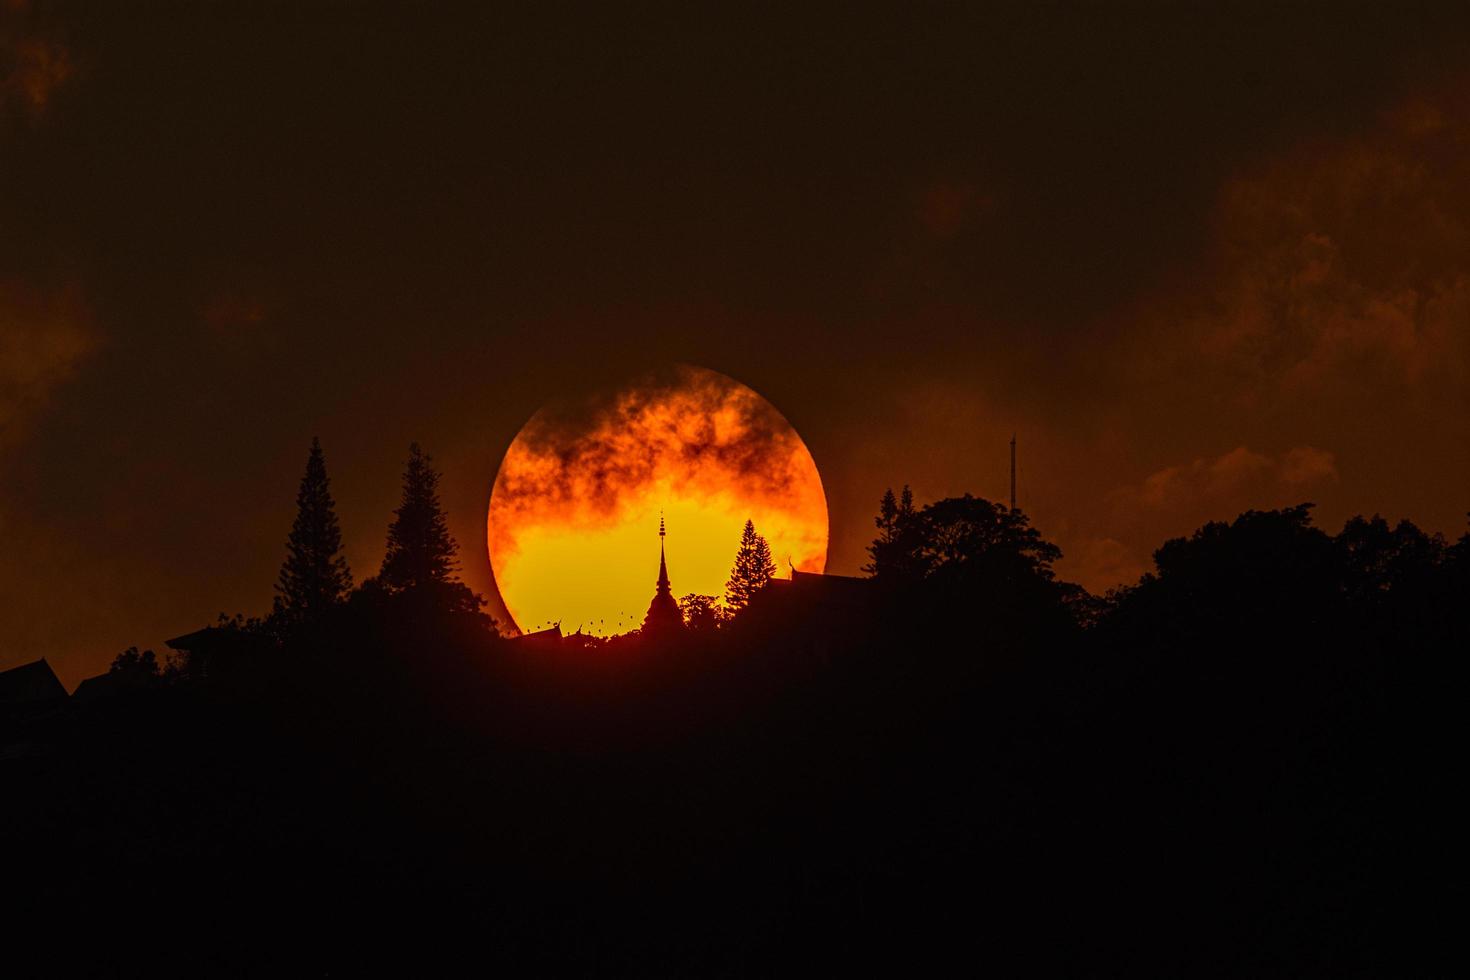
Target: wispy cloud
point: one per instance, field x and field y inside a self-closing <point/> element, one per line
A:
<point x="1340" y="265"/>
<point x="43" y="340"/>
<point x="32" y="66"/>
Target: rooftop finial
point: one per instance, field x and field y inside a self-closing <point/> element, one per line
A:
<point x="660" y="523"/>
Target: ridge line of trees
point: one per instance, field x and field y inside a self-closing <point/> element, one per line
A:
<point x="958" y="550"/>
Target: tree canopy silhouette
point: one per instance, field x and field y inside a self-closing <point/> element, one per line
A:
<point x="958" y="540"/>
<point x="1264" y="565"/>
<point x="702" y="613"/>
<point x="968" y="538"/>
<point x="314" y="576"/>
<point x="753" y="569"/>
<point x="971" y="552"/>
<point x="130" y="661"/>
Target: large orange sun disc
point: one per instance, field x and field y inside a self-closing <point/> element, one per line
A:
<point x="574" y="513"/>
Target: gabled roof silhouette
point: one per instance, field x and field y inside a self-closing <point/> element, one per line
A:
<point x="194" y="640"/>
<point x="215" y="648"/>
<point x="214" y="638"/>
<point x="826" y="581"/>
<point x="111" y="684"/>
<point x="816" y="614"/>
<point x="30" y="684"/>
<point x="92" y="688"/>
<point x="815" y="587"/>
<point x="541" y="638"/>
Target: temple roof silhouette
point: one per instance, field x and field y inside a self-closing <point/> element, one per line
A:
<point x="549" y="637"/>
<point x="817" y="588"/>
<point x="663" y="612"/>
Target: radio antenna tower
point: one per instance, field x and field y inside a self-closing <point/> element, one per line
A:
<point x="1013" y="471"/>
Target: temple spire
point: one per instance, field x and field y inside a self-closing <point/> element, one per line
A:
<point x="663" y="566"/>
<point x="663" y="611"/>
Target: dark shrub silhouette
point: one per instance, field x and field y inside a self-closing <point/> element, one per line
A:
<point x="702" y="613"/>
<point x="130" y="661"/>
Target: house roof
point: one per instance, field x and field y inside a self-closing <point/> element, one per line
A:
<point x="814" y="587"/>
<point x="215" y="638"/>
<point x="95" y="687"/>
<point x="832" y="582"/>
<point x="191" y="641"/>
<point x="112" y="683"/>
<point x="544" y="637"/>
<point x="30" y="684"/>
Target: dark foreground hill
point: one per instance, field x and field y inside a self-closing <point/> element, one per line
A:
<point x="1231" y="770"/>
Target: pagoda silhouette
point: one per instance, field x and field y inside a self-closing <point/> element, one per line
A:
<point x="663" y="612"/>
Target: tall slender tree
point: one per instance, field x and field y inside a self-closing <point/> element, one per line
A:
<point x="893" y="551"/>
<point x="420" y="549"/>
<point x="314" y="577"/>
<point x="753" y="569"/>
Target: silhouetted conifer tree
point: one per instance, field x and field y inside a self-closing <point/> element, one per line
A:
<point x="894" y="551"/>
<point x="420" y="550"/>
<point x="753" y="569"/>
<point x="314" y="576"/>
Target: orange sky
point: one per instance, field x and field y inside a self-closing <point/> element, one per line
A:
<point x="1198" y="258"/>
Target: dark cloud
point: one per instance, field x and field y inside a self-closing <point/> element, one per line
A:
<point x="33" y="66"/>
<point x="1177" y="498"/>
<point x="702" y="428"/>
<point x="1325" y="323"/>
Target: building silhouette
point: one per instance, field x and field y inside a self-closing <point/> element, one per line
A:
<point x="663" y="615"/>
<point x="29" y="691"/>
<point x="547" y="639"/>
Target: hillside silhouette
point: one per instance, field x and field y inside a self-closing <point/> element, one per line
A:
<point x="958" y="761"/>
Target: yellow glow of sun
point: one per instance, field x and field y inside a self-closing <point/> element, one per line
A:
<point x="573" y="522"/>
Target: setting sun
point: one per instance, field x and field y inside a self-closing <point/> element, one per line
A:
<point x="574" y="514"/>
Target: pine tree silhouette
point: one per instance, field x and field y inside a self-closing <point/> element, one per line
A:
<point x="892" y="551"/>
<point x="420" y="550"/>
<point x="753" y="569"/>
<point x="314" y="576"/>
